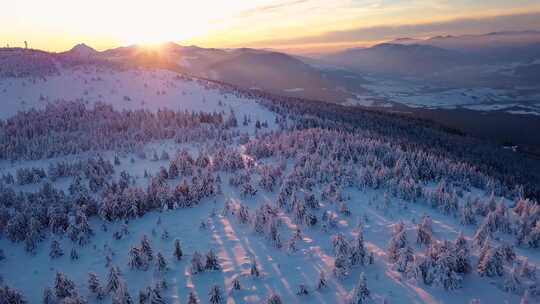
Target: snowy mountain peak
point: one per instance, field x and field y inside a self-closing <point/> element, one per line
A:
<point x="82" y="50"/>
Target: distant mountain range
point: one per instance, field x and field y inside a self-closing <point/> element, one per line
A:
<point x="495" y="59"/>
<point x="418" y="57"/>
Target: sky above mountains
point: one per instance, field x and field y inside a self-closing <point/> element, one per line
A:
<point x="293" y="25"/>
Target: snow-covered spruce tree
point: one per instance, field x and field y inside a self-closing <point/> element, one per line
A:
<point x="444" y="270"/>
<point x="405" y="259"/>
<point x="212" y="262"/>
<point x="291" y="246"/>
<point x="161" y="262"/>
<point x="360" y="293"/>
<point x="322" y="282"/>
<point x="243" y="214"/>
<point x="177" y="250"/>
<point x="94" y="285"/>
<point x="358" y="251"/>
<point x="302" y="290"/>
<point x="136" y="260"/>
<point x="56" y="251"/>
<point x="74" y="254"/>
<point x="507" y="251"/>
<point x="342" y="266"/>
<point x="63" y="287"/>
<point x="462" y="253"/>
<point x="122" y="296"/>
<point x="113" y="280"/>
<point x="398" y="241"/>
<point x="236" y="284"/>
<point x="491" y="262"/>
<point x="467" y="215"/>
<point x="424" y="231"/>
<point x="512" y="281"/>
<point x="144" y="295"/>
<point x="146" y="248"/>
<point x="481" y="235"/>
<point x="215" y="295"/>
<point x="11" y="296"/>
<point x="254" y="270"/>
<point x="274" y="298"/>
<point x="156" y="297"/>
<point x="192" y="298"/>
<point x="340" y="245"/>
<point x="197" y="263"/>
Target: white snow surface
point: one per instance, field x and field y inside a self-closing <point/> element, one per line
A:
<point x="129" y="89"/>
<point x="235" y="244"/>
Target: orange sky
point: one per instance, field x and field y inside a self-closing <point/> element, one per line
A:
<point x="57" y="25"/>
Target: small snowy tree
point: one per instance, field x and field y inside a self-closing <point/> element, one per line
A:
<point x="211" y="261"/>
<point x="274" y="298"/>
<point x="56" y="250"/>
<point x="63" y="287"/>
<point x="491" y="263"/>
<point x="113" y="280"/>
<point x="215" y="295"/>
<point x="161" y="262"/>
<point x="302" y="290"/>
<point x="254" y="270"/>
<point x="94" y="284"/>
<point x="322" y="282"/>
<point x="236" y="284"/>
<point x="360" y="294"/>
<point x="178" y="250"/>
<point x="197" y="263"/>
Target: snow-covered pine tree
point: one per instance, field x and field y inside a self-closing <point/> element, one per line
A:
<point x="254" y="270"/>
<point x="136" y="260"/>
<point x="215" y="295"/>
<point x="512" y="282"/>
<point x="177" y="250"/>
<point x="94" y="285"/>
<point x="63" y="287"/>
<point x="161" y="262"/>
<point x="481" y="235"/>
<point x="146" y="248"/>
<point x="192" y="298"/>
<point x="74" y="255"/>
<point x="196" y="263"/>
<point x="156" y="297"/>
<point x="212" y="262"/>
<point x="302" y="290"/>
<point x="490" y="263"/>
<point x="341" y="266"/>
<point x="424" y="231"/>
<point x="113" y="280"/>
<point x="360" y="293"/>
<point x="236" y="284"/>
<point x="56" y="251"/>
<point x="398" y="241"/>
<point x="405" y="258"/>
<point x="358" y="252"/>
<point x="322" y="282"/>
<point x="274" y="298"/>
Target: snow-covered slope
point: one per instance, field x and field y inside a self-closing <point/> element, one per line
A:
<point x="280" y="197"/>
<point x="127" y="89"/>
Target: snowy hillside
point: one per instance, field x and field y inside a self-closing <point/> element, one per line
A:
<point x="148" y="186"/>
<point x="127" y="89"/>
